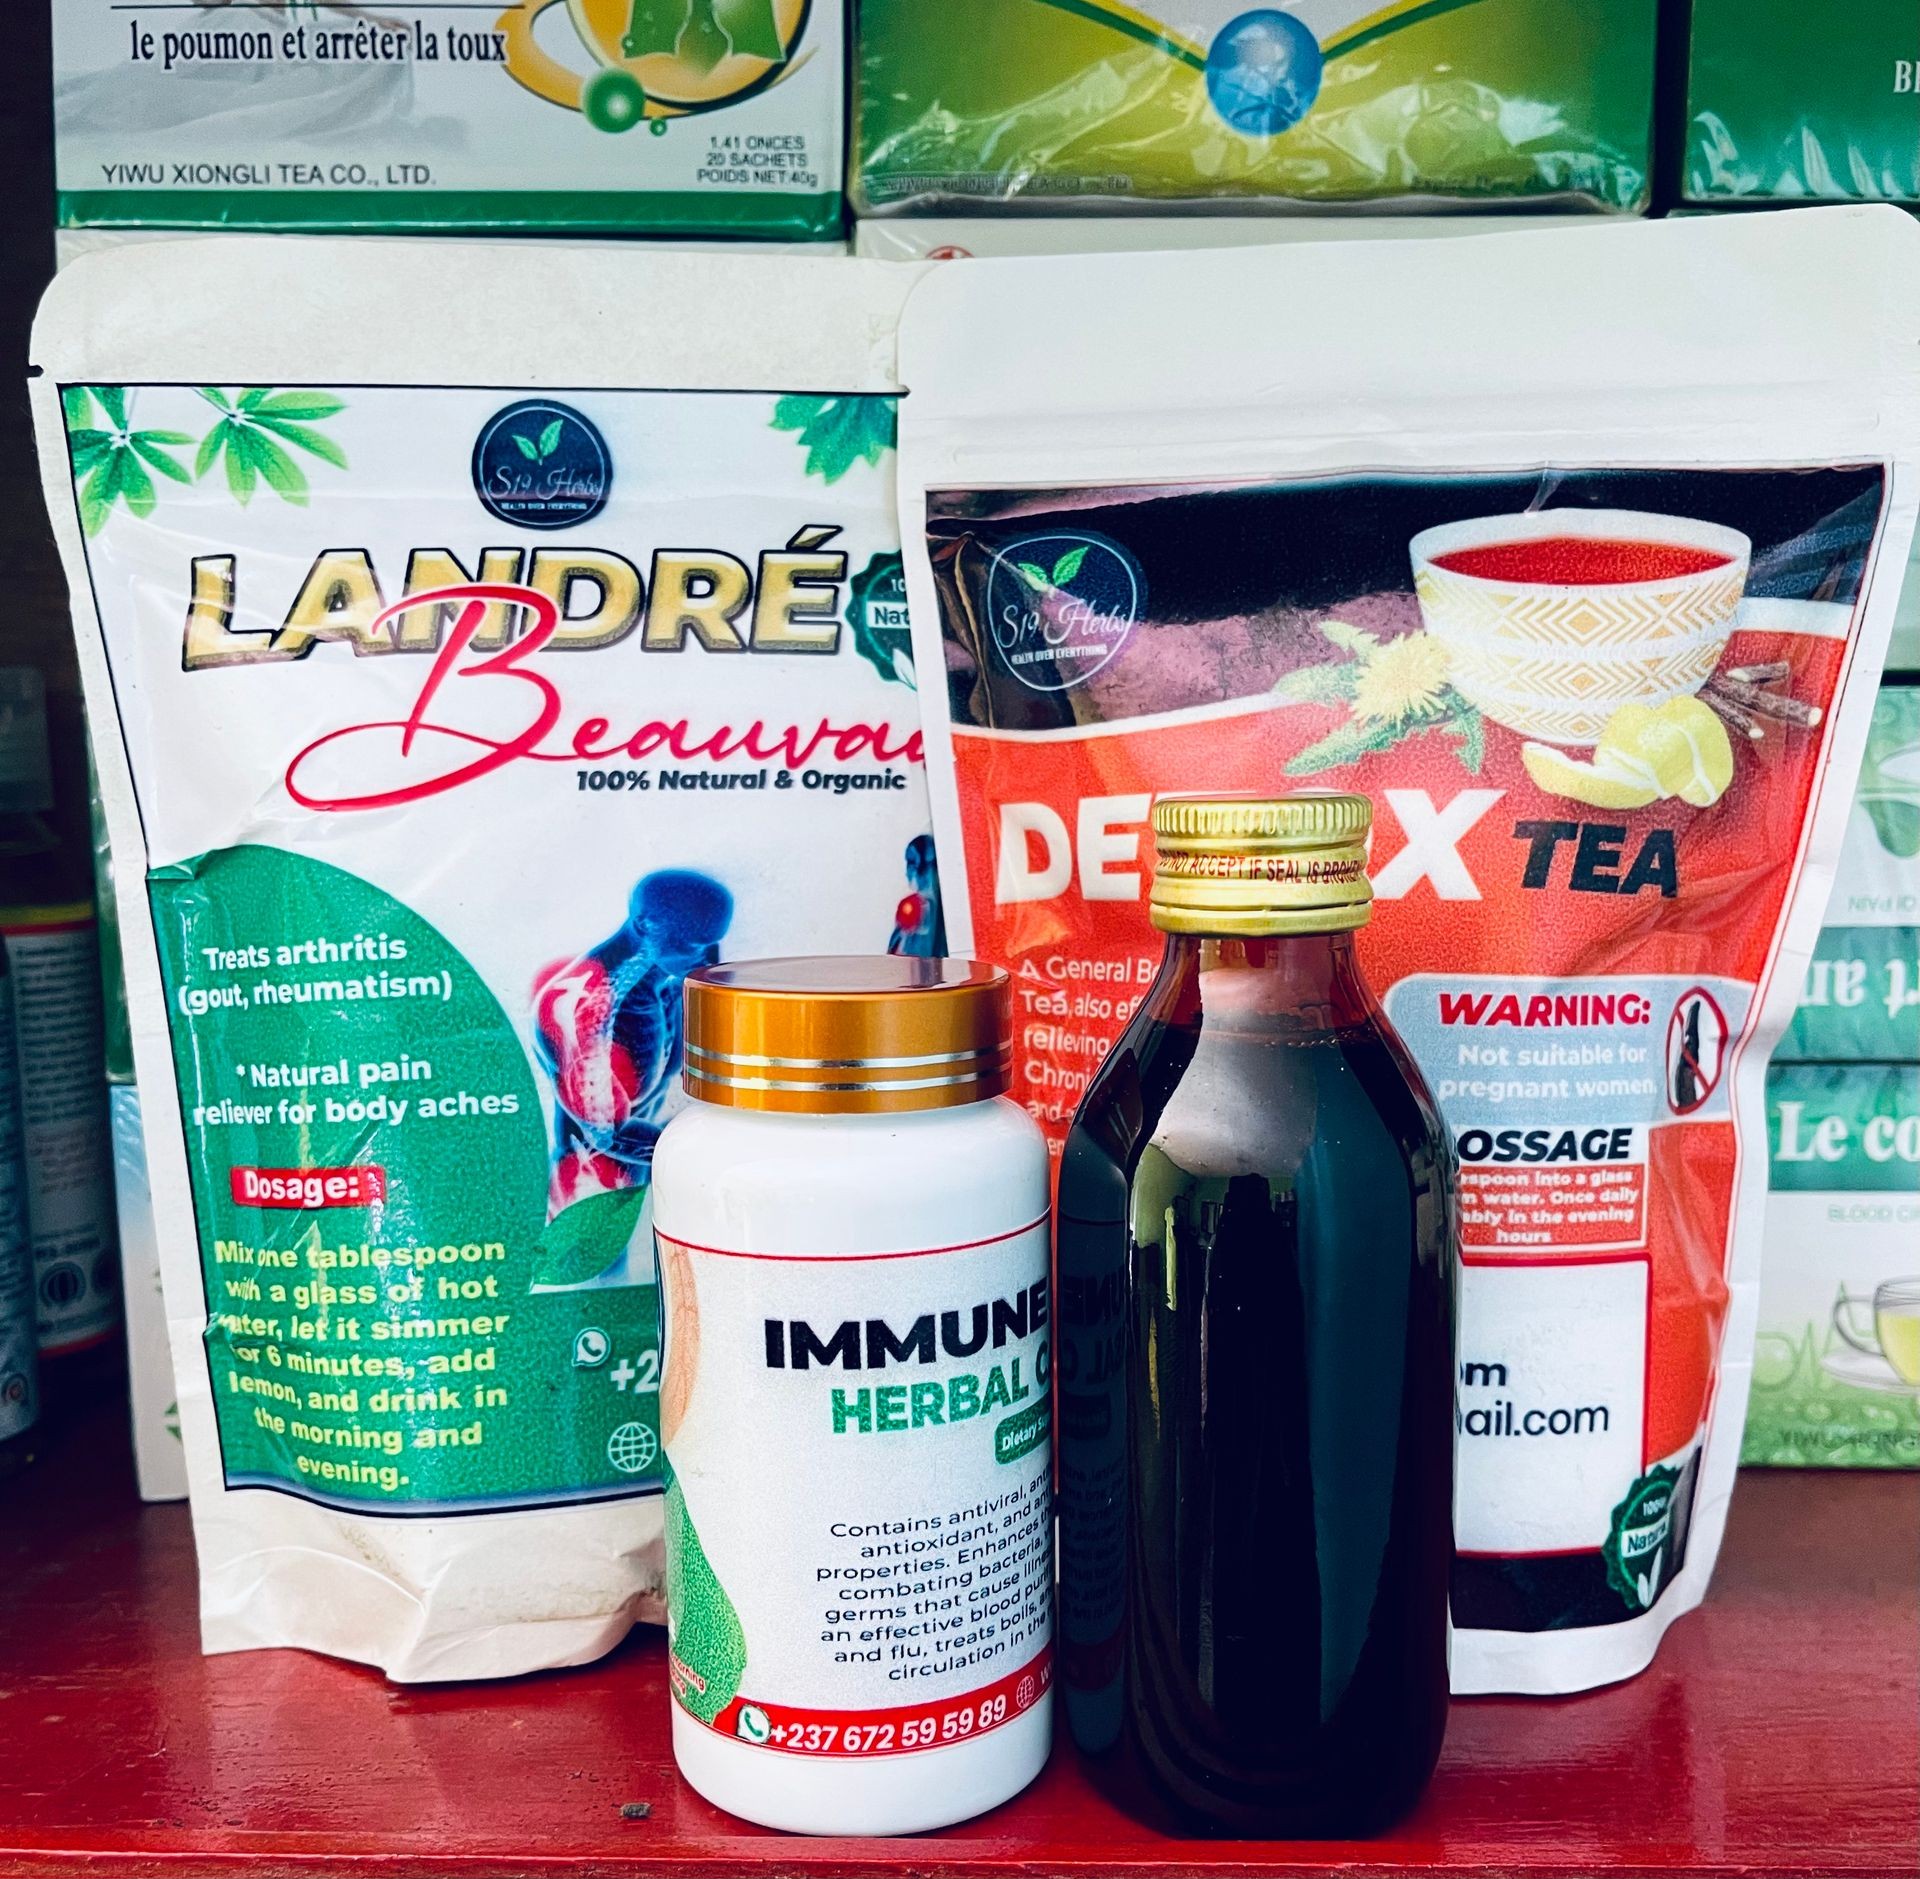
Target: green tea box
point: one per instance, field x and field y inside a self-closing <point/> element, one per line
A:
<point x="1860" y="1001"/>
<point x="1787" y="101"/>
<point x="720" y="118"/>
<point x="1836" y="1369"/>
<point x="1044" y="104"/>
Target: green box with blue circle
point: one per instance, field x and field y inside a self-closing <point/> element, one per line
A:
<point x="1311" y="103"/>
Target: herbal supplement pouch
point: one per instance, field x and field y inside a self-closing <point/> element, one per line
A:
<point x="458" y="682"/>
<point x="1217" y="102"/>
<point x="1790" y="102"/>
<point x="1861" y="999"/>
<point x="689" y="117"/>
<point x="1587" y="585"/>
<point x="1836" y="1365"/>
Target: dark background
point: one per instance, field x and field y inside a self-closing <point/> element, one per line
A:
<point x="34" y="623"/>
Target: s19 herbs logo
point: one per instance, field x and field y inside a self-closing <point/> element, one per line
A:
<point x="1061" y="606"/>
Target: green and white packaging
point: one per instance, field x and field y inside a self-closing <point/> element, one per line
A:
<point x="1836" y="1371"/>
<point x="1796" y="102"/>
<point x="1316" y="103"/>
<point x="687" y="117"/>
<point x="1861" y="998"/>
<point x="447" y="718"/>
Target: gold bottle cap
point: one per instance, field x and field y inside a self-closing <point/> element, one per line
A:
<point x="859" y="1035"/>
<point x="1257" y="866"/>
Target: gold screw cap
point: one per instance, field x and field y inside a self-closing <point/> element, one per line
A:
<point x="1261" y="866"/>
<point x="854" y="1035"/>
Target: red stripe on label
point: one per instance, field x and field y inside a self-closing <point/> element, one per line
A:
<point x="859" y="1733"/>
<point x="917" y="1252"/>
<point x="359" y="1185"/>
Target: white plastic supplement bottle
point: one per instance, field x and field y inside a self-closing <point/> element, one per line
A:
<point x="854" y="1252"/>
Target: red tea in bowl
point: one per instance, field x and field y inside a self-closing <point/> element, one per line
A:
<point x="1581" y="561"/>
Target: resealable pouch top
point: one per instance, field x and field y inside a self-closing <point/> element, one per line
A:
<point x="669" y="117"/>
<point x="1219" y="104"/>
<point x="1577" y="551"/>
<point x="471" y="649"/>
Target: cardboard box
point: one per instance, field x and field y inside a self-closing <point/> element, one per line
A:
<point x="1336" y="105"/>
<point x="1791" y="102"/>
<point x="1861" y="998"/>
<point x="678" y="119"/>
<point x="1836" y="1369"/>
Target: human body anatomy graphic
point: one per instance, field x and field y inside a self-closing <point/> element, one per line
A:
<point x="919" y="922"/>
<point x="607" y="1031"/>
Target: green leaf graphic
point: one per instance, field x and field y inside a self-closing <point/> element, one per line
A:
<point x="1897" y="824"/>
<point x="526" y="446"/>
<point x="1348" y="638"/>
<point x="254" y="433"/>
<point x="1034" y="575"/>
<point x="654" y="26"/>
<point x="1069" y="565"/>
<point x="113" y="466"/>
<point x="703" y="42"/>
<point x="581" y="1242"/>
<point x="1470" y="738"/>
<point x="550" y="437"/>
<point x="1328" y="684"/>
<point x="839" y="432"/>
<point x="1348" y="744"/>
<point x="750" y="27"/>
<point x="709" y="1648"/>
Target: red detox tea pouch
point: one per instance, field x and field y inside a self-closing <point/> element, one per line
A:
<point x="1577" y="552"/>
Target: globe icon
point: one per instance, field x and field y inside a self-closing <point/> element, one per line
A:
<point x="633" y="1448"/>
<point x="1263" y="72"/>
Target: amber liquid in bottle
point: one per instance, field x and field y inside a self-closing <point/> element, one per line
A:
<point x="1257" y="1261"/>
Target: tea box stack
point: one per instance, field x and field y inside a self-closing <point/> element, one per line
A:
<point x="1836" y="1378"/>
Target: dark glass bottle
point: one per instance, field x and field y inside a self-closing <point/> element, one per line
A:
<point x="1257" y="1271"/>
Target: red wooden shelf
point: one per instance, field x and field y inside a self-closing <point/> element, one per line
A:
<point x="1778" y="1734"/>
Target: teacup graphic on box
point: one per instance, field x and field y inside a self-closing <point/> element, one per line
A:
<point x="1555" y="619"/>
<point x="1882" y="1337"/>
<point x="651" y="59"/>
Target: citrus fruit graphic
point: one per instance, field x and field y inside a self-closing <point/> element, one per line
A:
<point x="1602" y="783"/>
<point x="1682" y="744"/>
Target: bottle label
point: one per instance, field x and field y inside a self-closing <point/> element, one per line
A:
<point x="19" y="1399"/>
<point x="63" y="1106"/>
<point x="859" y="1504"/>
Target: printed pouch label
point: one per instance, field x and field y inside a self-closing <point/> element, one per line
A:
<point x="859" y="1511"/>
<point x="676" y="116"/>
<point x="63" y="1109"/>
<point x="1592" y="733"/>
<point x="459" y="733"/>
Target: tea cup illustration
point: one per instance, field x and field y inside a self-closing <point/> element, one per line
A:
<point x="652" y="59"/>
<point x="1556" y="618"/>
<point x="1885" y="1325"/>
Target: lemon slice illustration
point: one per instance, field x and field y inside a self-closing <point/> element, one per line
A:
<point x="1599" y="783"/>
<point x="1683" y="743"/>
